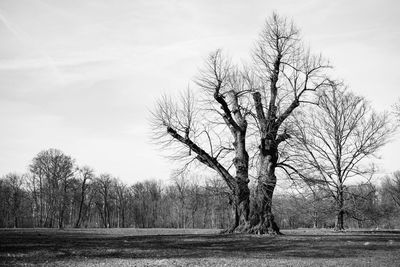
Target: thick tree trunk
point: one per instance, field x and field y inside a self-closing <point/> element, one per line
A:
<point x="339" y="223"/>
<point x="241" y="209"/>
<point x="339" y="226"/>
<point x="262" y="219"/>
<point x="241" y="192"/>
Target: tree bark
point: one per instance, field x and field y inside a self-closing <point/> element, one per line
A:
<point x="339" y="223"/>
<point x="339" y="226"/>
<point x="241" y="209"/>
<point x="262" y="219"/>
<point x="241" y="191"/>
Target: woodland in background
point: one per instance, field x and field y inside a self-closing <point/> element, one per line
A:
<point x="83" y="199"/>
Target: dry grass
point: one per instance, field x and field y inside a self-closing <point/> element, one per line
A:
<point x="170" y="247"/>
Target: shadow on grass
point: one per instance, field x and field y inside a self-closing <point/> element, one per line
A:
<point x="44" y="246"/>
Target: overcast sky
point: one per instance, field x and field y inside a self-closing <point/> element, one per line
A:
<point x="81" y="76"/>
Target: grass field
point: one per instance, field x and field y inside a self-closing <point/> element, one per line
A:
<point x="167" y="247"/>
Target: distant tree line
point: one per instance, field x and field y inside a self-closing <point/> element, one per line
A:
<point x="57" y="193"/>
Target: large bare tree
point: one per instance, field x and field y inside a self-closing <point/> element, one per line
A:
<point x="211" y="131"/>
<point x="287" y="76"/>
<point x="241" y="118"/>
<point x="333" y="142"/>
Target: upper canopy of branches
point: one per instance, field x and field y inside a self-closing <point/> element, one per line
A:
<point x="256" y="98"/>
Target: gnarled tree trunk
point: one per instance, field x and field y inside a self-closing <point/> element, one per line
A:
<point x="241" y="191"/>
<point x="262" y="219"/>
<point x="241" y="208"/>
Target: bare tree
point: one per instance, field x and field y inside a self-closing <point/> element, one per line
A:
<point x="235" y="100"/>
<point x="85" y="174"/>
<point x="54" y="171"/>
<point x="334" y="140"/>
<point x="288" y="76"/>
<point x="122" y="193"/>
<point x="104" y="189"/>
<point x="209" y="142"/>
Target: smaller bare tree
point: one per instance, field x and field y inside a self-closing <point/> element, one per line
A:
<point x="122" y="193"/>
<point x="85" y="174"/>
<point x="334" y="140"/>
<point x="104" y="188"/>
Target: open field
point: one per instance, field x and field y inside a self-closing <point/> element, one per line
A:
<point x="166" y="247"/>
